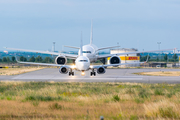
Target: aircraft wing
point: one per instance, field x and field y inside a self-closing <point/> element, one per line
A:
<point x="113" y="65"/>
<point x="126" y="53"/>
<point x="107" y="48"/>
<point x="45" y="64"/>
<point x="71" y="56"/>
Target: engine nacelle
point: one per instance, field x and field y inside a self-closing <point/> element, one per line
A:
<point x="63" y="70"/>
<point x="61" y="60"/>
<point x="101" y="70"/>
<point x="115" y="60"/>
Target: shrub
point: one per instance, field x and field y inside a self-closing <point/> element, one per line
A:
<point x="169" y="95"/>
<point x="9" y="98"/>
<point x="120" y="86"/>
<point x="3" y="88"/>
<point x="158" y="92"/>
<point x="56" y="106"/>
<point x="116" y="98"/>
<point x="143" y="93"/>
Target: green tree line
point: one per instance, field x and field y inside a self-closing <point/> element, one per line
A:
<point x="7" y="59"/>
<point x="24" y="59"/>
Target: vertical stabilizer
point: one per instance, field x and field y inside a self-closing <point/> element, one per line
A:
<point x="81" y="45"/>
<point x="91" y="38"/>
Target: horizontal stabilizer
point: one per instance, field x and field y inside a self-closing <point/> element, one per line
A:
<point x="72" y="47"/>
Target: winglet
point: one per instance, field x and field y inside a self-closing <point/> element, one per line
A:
<point x="16" y="58"/>
<point x="147" y="59"/>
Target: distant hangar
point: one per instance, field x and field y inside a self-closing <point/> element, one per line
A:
<point x="130" y="58"/>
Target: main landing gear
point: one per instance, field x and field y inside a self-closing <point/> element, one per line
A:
<point x="71" y="73"/>
<point x="93" y="73"/>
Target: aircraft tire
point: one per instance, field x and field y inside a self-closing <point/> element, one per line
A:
<point x="69" y="73"/>
<point x="94" y="74"/>
<point x="91" y="73"/>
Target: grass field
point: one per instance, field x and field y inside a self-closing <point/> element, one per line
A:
<point x="160" y="73"/>
<point x="114" y="101"/>
<point x="16" y="71"/>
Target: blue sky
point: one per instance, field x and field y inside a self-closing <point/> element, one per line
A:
<point x="35" y="24"/>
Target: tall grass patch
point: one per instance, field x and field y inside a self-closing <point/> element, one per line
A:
<point x="163" y="109"/>
<point x="43" y="98"/>
<point x="158" y="91"/>
<point x="56" y="106"/>
<point x="73" y="100"/>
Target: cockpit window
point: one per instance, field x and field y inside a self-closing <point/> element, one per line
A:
<point x="83" y="60"/>
<point x="86" y="51"/>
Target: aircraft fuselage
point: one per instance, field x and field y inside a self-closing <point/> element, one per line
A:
<point x="90" y="51"/>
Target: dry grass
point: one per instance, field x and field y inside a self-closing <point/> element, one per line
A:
<point x="68" y="110"/>
<point x="16" y="71"/>
<point x="161" y="73"/>
<point x="162" y="109"/>
<point x="55" y="100"/>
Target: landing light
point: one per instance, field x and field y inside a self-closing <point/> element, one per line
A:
<point x="73" y="66"/>
<point x="82" y="73"/>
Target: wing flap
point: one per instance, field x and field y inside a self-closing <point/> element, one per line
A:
<point x="109" y="55"/>
<point x="114" y="65"/>
<point x="46" y="52"/>
<point x="45" y="64"/>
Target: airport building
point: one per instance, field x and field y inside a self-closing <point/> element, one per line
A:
<point x="130" y="58"/>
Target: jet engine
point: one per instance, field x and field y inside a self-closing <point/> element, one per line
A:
<point x="63" y="70"/>
<point x="115" y="60"/>
<point x="101" y="70"/>
<point x="61" y="60"/>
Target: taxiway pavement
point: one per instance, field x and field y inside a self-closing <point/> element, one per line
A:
<point x="111" y="75"/>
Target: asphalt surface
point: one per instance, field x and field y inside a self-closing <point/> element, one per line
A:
<point x="111" y="75"/>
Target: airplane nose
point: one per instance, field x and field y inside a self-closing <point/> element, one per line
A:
<point x="84" y="67"/>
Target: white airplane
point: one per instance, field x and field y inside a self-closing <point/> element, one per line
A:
<point x="82" y="63"/>
<point x="90" y="51"/>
